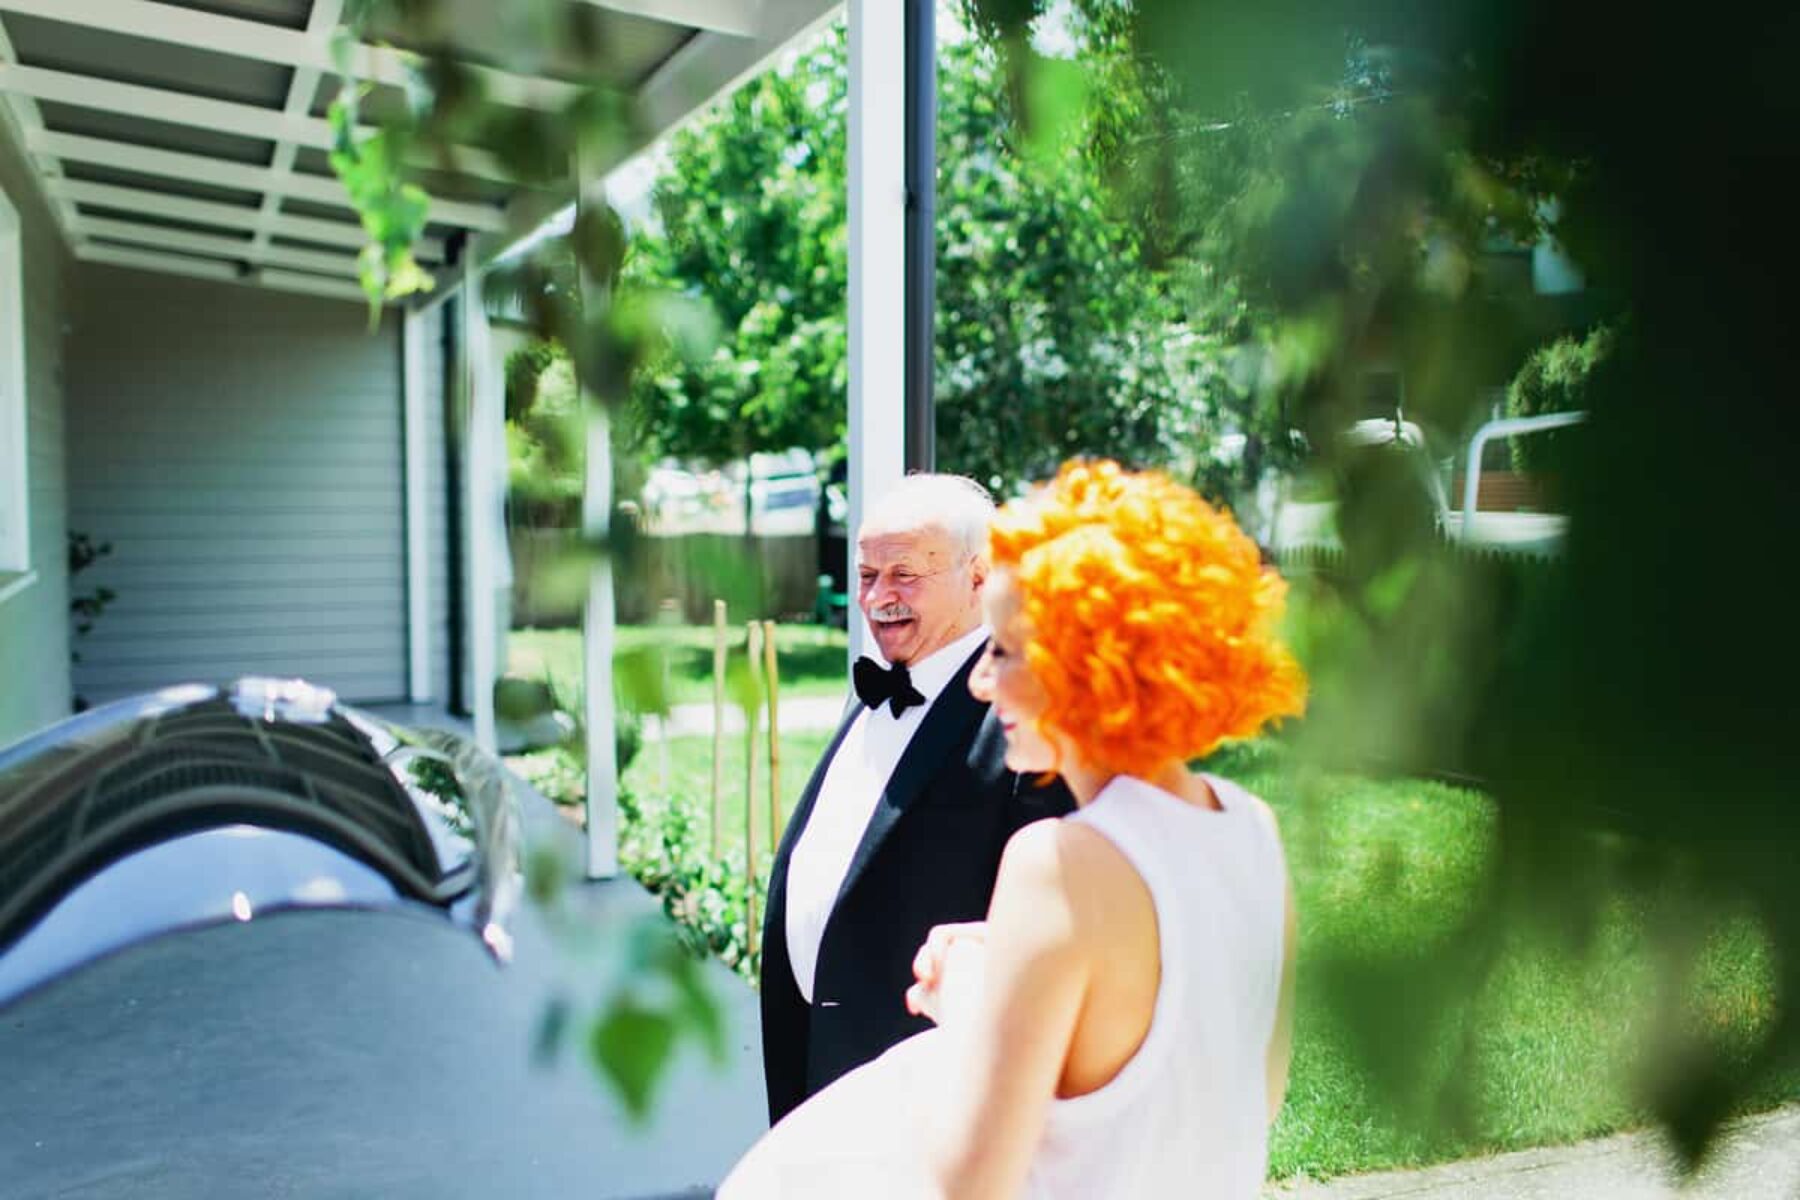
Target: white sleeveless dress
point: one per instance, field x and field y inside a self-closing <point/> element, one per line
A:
<point x="1186" y="1116"/>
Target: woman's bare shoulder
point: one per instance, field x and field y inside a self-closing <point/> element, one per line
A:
<point x="1048" y="851"/>
<point x="1069" y="866"/>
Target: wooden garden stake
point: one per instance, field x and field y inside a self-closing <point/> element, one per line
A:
<point x="718" y="747"/>
<point x="772" y="672"/>
<point x="751" y="711"/>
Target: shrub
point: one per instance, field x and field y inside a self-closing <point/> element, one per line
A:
<point x="1554" y="379"/>
<point x="664" y="846"/>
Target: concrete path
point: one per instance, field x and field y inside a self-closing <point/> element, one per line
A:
<point x="799" y="714"/>
<point x="1760" y="1160"/>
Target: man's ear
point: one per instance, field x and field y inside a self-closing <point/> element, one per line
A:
<point x="978" y="571"/>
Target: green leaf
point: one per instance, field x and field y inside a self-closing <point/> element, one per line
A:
<point x="1056" y="100"/>
<point x="631" y="1046"/>
<point x="640" y="678"/>
<point x="696" y="1006"/>
<point x="552" y="1027"/>
<point x="743" y="683"/>
<point x="547" y="873"/>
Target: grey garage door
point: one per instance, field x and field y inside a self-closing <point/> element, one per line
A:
<point x="242" y="451"/>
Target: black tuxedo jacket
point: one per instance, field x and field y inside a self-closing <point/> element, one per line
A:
<point x="929" y="856"/>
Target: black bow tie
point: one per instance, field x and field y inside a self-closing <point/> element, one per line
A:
<point x="876" y="686"/>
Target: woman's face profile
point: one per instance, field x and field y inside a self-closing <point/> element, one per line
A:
<point x="1003" y="678"/>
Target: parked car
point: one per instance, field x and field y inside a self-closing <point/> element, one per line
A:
<point x="1406" y="478"/>
<point x="674" y="496"/>
<point x="784" y="489"/>
<point x="197" y="805"/>
<point x="251" y="944"/>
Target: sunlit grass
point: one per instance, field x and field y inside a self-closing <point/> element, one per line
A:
<point x="688" y="763"/>
<point x="811" y="658"/>
<point x="1558" y="1035"/>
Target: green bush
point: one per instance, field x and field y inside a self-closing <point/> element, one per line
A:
<point x="663" y="843"/>
<point x="664" y="846"/>
<point x="1554" y="379"/>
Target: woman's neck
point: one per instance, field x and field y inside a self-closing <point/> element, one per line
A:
<point x="1087" y="780"/>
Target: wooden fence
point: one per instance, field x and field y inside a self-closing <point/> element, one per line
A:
<point x="766" y="576"/>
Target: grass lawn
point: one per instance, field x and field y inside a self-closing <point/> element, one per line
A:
<point x="811" y="658"/>
<point x="1386" y="866"/>
<point x="689" y="766"/>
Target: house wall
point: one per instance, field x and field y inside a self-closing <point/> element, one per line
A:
<point x="34" y="622"/>
<point x="242" y="449"/>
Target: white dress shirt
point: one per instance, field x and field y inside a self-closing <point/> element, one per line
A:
<point x="853" y="784"/>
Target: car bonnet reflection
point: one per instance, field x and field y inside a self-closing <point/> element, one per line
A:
<point x="236" y="872"/>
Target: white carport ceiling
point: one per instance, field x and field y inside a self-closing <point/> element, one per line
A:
<point x="189" y="136"/>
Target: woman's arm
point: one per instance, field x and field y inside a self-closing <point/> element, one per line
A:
<point x="1013" y="1050"/>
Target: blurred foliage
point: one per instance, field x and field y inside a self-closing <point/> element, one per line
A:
<point x="1391" y="159"/>
<point x="660" y="1002"/>
<point x="546" y="440"/>
<point x="392" y="209"/>
<point x="570" y="294"/>
<point x="86" y="607"/>
<point x="1554" y="380"/>
<point x="525" y="368"/>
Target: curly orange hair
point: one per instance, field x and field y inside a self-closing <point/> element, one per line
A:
<point x="1152" y="617"/>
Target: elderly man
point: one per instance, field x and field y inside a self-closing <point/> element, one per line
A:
<point x="902" y="824"/>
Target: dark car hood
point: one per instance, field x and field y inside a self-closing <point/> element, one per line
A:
<point x="199" y="804"/>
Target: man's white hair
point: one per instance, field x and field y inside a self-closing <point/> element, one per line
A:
<point x="956" y="504"/>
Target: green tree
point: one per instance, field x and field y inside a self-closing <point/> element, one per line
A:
<point x="750" y="220"/>
<point x="1055" y="336"/>
<point x="1052" y="337"/>
<point x="545" y="434"/>
<point x="1553" y="380"/>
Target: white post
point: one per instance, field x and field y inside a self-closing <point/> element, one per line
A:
<point x="485" y="446"/>
<point x="597" y="669"/>
<point x="413" y="342"/>
<point x="598" y="617"/>
<point x="877" y="264"/>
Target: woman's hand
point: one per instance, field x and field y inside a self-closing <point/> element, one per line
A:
<point x="925" y="997"/>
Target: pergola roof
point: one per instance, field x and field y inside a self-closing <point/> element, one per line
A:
<point x="189" y="136"/>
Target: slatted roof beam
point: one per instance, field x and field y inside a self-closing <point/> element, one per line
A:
<point x="198" y="168"/>
<point x="263" y="42"/>
<point x="199" y="112"/>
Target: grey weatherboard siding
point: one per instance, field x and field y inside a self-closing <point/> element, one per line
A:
<point x="34" y="623"/>
<point x="242" y="450"/>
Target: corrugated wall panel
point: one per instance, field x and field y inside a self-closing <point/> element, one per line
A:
<point x="241" y="449"/>
<point x="34" y="623"/>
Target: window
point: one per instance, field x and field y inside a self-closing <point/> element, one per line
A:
<point x="15" y="519"/>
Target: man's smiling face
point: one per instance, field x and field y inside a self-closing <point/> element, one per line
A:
<point x="918" y="592"/>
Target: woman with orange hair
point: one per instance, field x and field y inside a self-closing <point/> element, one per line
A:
<point x="1120" y="1026"/>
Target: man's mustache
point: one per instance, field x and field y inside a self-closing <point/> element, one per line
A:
<point x="893" y="612"/>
